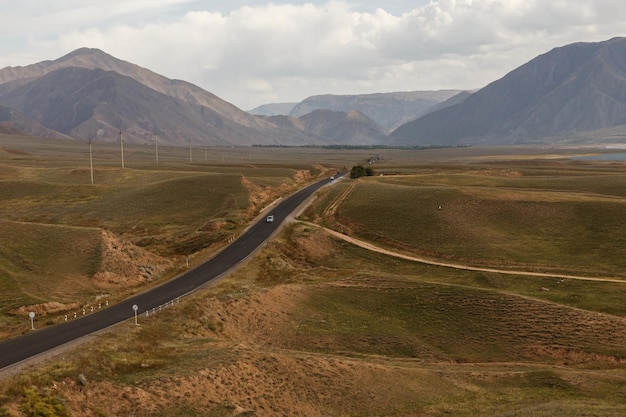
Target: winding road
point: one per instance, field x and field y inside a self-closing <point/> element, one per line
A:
<point x="16" y="350"/>
<point x="19" y="349"/>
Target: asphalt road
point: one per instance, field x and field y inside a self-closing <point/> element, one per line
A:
<point x="18" y="349"/>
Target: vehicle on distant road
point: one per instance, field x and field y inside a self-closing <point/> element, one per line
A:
<point x="269" y="219"/>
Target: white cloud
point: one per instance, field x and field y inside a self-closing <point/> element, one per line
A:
<point x="251" y="52"/>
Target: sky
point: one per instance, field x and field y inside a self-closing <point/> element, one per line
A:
<point x="257" y="52"/>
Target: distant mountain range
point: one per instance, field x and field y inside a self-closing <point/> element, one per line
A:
<point x="572" y="94"/>
<point x="389" y="110"/>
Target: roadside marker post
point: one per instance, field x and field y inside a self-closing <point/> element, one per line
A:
<point x="135" y="308"/>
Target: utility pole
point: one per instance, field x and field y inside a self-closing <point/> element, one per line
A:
<point x="122" y="148"/>
<point x="156" y="146"/>
<point x="90" y="161"/>
<point x="190" y="157"/>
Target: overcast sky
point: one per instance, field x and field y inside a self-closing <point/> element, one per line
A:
<point x="256" y="52"/>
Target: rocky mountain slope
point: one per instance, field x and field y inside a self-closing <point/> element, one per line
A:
<point x="90" y="94"/>
<point x="13" y="122"/>
<point x="575" y="93"/>
<point x="572" y="94"/>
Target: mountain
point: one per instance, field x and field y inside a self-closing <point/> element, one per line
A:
<point x="346" y="128"/>
<point x="286" y="121"/>
<point x="90" y="94"/>
<point x="14" y="123"/>
<point x="91" y="58"/>
<point x="343" y="128"/>
<point x="390" y="110"/>
<point x="575" y="93"/>
<point x="273" y="109"/>
<point x="572" y="94"/>
<point x="94" y="103"/>
<point x="456" y="99"/>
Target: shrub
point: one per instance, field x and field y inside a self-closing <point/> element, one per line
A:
<point x="358" y="171"/>
<point x="37" y="405"/>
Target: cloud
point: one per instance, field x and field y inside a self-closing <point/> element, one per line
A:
<point x="255" y="52"/>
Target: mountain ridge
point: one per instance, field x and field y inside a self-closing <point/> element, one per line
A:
<point x="224" y="123"/>
<point x="572" y="94"/>
<point x="564" y="95"/>
<point x="389" y="110"/>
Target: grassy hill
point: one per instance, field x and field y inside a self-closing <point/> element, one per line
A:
<point x="560" y="217"/>
<point x="69" y="242"/>
<point x="313" y="325"/>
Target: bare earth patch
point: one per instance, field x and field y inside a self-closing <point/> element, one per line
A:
<point x="45" y="308"/>
<point x="125" y="264"/>
<point x="259" y="196"/>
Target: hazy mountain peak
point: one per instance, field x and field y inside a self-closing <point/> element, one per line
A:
<point x="389" y="110"/>
<point x="353" y="114"/>
<point x="83" y="51"/>
<point x="346" y="128"/>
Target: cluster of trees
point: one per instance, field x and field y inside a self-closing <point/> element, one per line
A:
<point x="358" y="171"/>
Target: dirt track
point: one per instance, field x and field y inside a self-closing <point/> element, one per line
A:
<point x="375" y="248"/>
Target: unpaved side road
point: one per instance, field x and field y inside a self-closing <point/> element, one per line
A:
<point x="369" y="246"/>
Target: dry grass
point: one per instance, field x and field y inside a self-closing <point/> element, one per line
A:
<point x="537" y="225"/>
<point x="312" y="326"/>
<point x="52" y="249"/>
<point x="370" y="343"/>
